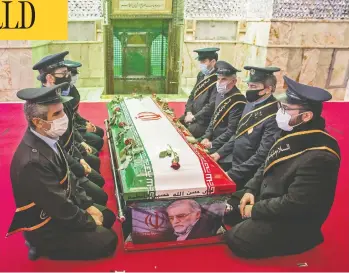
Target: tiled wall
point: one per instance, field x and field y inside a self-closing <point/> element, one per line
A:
<point x="310" y="9"/>
<point x="232" y="9"/>
<point x="15" y="58"/>
<point x="302" y="49"/>
<point x="249" y="48"/>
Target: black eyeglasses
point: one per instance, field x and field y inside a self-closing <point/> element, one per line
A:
<point x="285" y="108"/>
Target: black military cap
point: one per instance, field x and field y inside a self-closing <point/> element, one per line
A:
<point x="298" y="93"/>
<point x="208" y="52"/>
<point x="51" y="62"/>
<point x="259" y="74"/>
<point x="72" y="66"/>
<point x="225" y="69"/>
<point x="45" y="95"/>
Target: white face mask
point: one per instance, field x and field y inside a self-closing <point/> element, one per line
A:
<point x="222" y="88"/>
<point x="74" y="79"/>
<point x="283" y="120"/>
<point x="66" y="92"/>
<point x="58" y="127"/>
<point x="204" y="69"/>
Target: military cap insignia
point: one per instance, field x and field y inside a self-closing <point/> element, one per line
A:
<point x="252" y="71"/>
<point x="43" y="215"/>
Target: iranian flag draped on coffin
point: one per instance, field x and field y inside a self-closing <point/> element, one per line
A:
<point x="157" y="167"/>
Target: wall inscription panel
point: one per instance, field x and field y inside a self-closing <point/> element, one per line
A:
<point x="142" y="7"/>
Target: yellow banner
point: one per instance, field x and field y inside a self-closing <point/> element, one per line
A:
<point x="34" y="20"/>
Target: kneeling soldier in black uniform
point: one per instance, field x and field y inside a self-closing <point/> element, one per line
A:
<point x="247" y="149"/>
<point x="52" y="71"/>
<point x="284" y="205"/>
<point x="92" y="134"/>
<point x="228" y="107"/>
<point x="58" y="219"/>
<point x="200" y="105"/>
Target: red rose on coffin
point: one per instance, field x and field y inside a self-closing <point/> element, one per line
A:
<point x="175" y="119"/>
<point x="122" y="124"/>
<point x="128" y="141"/>
<point x="175" y="165"/>
<point x="117" y="109"/>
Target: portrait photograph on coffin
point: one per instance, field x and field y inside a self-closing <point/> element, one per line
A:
<point x="177" y="220"/>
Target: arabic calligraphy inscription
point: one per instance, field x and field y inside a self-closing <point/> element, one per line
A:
<point x="142" y="5"/>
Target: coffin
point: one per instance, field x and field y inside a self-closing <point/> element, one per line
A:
<point x="169" y="191"/>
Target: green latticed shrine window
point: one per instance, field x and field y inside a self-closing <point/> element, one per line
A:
<point x="117" y="57"/>
<point x="159" y="56"/>
<point x="140" y="49"/>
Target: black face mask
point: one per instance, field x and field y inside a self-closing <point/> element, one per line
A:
<point x="252" y="95"/>
<point x="62" y="80"/>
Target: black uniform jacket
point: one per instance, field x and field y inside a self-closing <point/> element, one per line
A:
<point x="46" y="192"/>
<point x="249" y="151"/>
<point x="202" y="106"/>
<point x="80" y="122"/>
<point x="227" y="127"/>
<point x="298" y="192"/>
<point x="71" y="140"/>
